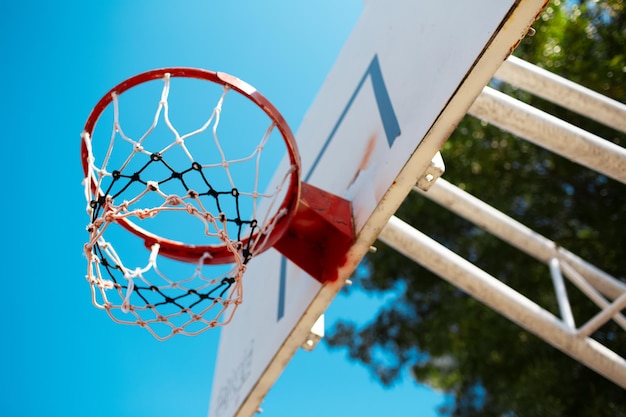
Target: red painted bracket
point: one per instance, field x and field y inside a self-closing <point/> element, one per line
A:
<point x="320" y="233"/>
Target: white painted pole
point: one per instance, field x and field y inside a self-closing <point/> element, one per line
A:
<point x="590" y="292"/>
<point x="603" y="316"/>
<point x="563" y="92"/>
<point x="561" y="294"/>
<point x="550" y="133"/>
<point x="499" y="224"/>
<point x="511" y="304"/>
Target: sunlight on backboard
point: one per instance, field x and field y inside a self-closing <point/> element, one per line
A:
<point x="404" y="79"/>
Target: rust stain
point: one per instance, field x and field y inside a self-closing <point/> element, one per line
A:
<point x="367" y="157"/>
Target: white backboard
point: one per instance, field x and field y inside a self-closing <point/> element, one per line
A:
<point x="402" y="82"/>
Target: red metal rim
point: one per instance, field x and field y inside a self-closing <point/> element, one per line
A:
<point x="219" y="253"/>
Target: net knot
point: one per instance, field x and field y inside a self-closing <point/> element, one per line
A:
<point x="146" y="213"/>
<point x="126" y="304"/>
<point x="122" y="207"/>
<point x="152" y="186"/>
<point x="91" y="279"/>
<point x="108" y="217"/>
<point x="173" y="200"/>
<point x="223" y="236"/>
<point x="104" y="245"/>
<point x="191" y="209"/>
<point x="87" y="247"/>
<point x="95" y="225"/>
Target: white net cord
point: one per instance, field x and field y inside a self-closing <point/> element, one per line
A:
<point x="136" y="183"/>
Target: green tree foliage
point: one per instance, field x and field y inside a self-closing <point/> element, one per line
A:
<point x="446" y="339"/>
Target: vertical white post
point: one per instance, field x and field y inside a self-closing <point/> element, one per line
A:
<point x="561" y="294"/>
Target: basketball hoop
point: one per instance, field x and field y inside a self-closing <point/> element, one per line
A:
<point x="162" y="185"/>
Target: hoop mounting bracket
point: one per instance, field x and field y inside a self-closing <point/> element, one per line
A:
<point x="320" y="233"/>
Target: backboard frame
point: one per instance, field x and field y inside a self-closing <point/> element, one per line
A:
<point x="503" y="32"/>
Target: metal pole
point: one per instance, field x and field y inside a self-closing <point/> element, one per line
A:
<point x="551" y="133"/>
<point x="561" y="294"/>
<point x="476" y="282"/>
<point x="499" y="224"/>
<point x="603" y="316"/>
<point x="593" y="294"/>
<point x="563" y="92"/>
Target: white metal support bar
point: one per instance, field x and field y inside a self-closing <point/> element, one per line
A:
<point x="532" y="243"/>
<point x="563" y="92"/>
<point x="571" y="142"/>
<point x="499" y="224"/>
<point x="590" y="292"/>
<point x="495" y="294"/>
<point x="561" y="294"/>
<point x="550" y="133"/>
<point x="603" y="316"/>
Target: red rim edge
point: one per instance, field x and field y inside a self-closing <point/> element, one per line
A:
<point x="181" y="251"/>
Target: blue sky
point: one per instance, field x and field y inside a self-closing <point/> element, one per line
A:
<point x="60" y="355"/>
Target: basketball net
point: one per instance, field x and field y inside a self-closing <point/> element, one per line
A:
<point x="174" y="287"/>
